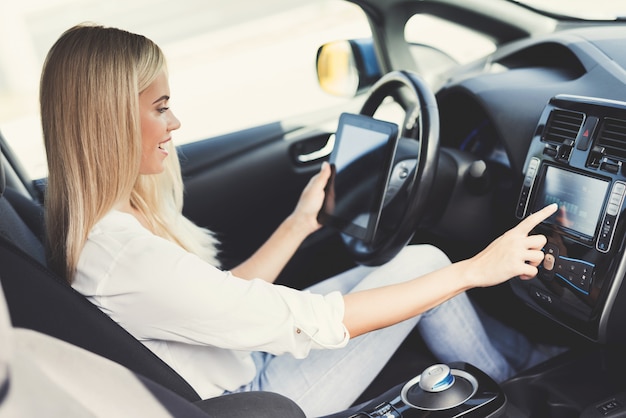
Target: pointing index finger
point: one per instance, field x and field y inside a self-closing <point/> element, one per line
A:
<point x="533" y="220"/>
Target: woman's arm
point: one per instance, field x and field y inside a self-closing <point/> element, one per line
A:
<point x="515" y="253"/>
<point x="268" y="261"/>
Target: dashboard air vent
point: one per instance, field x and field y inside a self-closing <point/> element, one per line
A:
<point x="612" y="137"/>
<point x="563" y="126"/>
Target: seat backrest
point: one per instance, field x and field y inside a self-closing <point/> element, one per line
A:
<point x="41" y="301"/>
<point x="24" y="228"/>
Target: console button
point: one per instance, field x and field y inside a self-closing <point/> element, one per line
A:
<point x="564" y="152"/>
<point x="550" y="151"/>
<point x="541" y="296"/>
<point x="608" y="407"/>
<point x="385" y="410"/>
<point x="577" y="273"/>
<point x="611" y="214"/>
<point x="586" y="133"/>
<point x="548" y="262"/>
<point x="609" y="166"/>
<point x="529" y="178"/>
<point x="551" y="249"/>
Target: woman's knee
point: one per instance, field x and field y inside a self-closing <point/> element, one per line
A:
<point x="426" y="255"/>
<point x="412" y="262"/>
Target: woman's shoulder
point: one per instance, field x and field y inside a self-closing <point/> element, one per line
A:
<point x="117" y="243"/>
<point x="114" y="234"/>
<point x="117" y="222"/>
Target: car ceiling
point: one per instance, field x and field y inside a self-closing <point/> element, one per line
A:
<point x="504" y="21"/>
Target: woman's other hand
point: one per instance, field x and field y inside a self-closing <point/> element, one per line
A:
<point x="515" y="253"/>
<point x="311" y="200"/>
<point x="269" y="260"/>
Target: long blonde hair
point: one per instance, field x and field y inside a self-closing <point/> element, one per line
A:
<point x="89" y="97"/>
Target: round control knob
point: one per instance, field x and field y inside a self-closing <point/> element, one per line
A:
<point x="477" y="178"/>
<point x="478" y="169"/>
<point x="436" y="378"/>
<point x="439" y="388"/>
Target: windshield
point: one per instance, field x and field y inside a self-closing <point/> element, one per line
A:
<point x="580" y="9"/>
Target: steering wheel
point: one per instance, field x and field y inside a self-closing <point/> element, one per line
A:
<point x="419" y="146"/>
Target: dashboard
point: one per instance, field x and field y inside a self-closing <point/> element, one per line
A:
<point x="575" y="160"/>
<point x="510" y="88"/>
<point x="548" y="116"/>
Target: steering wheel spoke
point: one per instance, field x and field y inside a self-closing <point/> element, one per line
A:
<point x="407" y="197"/>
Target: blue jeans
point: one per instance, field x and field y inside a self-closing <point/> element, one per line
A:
<point x="329" y="381"/>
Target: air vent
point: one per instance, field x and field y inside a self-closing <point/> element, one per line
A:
<point x="563" y="126"/>
<point x="612" y="138"/>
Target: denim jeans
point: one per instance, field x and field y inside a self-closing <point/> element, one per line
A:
<point x="328" y="381"/>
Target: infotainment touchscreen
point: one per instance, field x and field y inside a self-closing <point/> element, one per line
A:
<point x="580" y="199"/>
<point x="360" y="163"/>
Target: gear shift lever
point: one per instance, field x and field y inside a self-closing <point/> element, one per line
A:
<point x="436" y="378"/>
<point x="441" y="391"/>
<point x="439" y="388"/>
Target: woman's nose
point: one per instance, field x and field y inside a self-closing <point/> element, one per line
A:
<point x="173" y="123"/>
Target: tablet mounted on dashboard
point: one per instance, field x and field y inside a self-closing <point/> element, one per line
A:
<point x="361" y="162"/>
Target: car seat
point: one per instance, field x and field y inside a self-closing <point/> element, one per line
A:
<point x="24" y="228"/>
<point x="39" y="300"/>
<point x="36" y="379"/>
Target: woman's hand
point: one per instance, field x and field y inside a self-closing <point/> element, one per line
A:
<point x="515" y="253"/>
<point x="311" y="200"/>
<point x="268" y="261"/>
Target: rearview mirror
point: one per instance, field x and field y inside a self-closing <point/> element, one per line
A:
<point x="347" y="68"/>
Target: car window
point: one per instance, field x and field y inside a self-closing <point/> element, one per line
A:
<point x="232" y="65"/>
<point x="435" y="45"/>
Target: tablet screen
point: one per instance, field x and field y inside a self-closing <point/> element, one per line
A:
<point x="360" y="163"/>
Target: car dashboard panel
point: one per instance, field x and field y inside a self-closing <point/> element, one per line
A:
<point x="576" y="159"/>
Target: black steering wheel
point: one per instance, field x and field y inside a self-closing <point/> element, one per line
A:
<point x="415" y="163"/>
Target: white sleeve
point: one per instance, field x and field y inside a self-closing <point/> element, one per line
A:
<point x="157" y="290"/>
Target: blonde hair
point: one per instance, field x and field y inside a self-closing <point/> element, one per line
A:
<point x="89" y="97"/>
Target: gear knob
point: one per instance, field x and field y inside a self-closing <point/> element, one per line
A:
<point x="436" y="378"/>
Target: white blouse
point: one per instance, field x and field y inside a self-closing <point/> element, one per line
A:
<point x="200" y="320"/>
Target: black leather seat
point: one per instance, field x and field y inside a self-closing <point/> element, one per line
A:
<point x="39" y="300"/>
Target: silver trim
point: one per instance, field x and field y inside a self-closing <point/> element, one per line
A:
<point x="621" y="202"/>
<point x="320" y="153"/>
<point x="603" y="324"/>
<point x="455" y="372"/>
<point x="532" y="181"/>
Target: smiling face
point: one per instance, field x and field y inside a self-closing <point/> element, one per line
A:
<point x="157" y="124"/>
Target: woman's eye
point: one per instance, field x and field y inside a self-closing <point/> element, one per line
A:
<point x="163" y="109"/>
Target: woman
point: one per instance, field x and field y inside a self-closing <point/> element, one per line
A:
<point x="117" y="233"/>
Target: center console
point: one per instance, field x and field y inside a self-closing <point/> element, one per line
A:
<point x="576" y="159"/>
<point x="455" y="390"/>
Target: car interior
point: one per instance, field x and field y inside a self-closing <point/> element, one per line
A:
<point x="541" y="119"/>
<point x="53" y="308"/>
<point x="71" y="382"/>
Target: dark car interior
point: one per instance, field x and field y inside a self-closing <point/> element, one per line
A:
<point x="540" y="120"/>
<point x="53" y="308"/>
